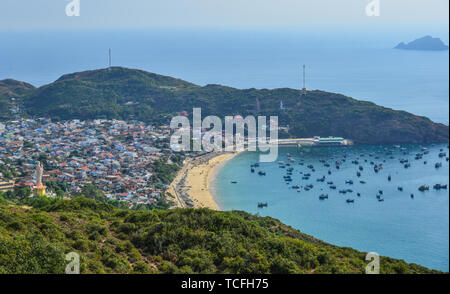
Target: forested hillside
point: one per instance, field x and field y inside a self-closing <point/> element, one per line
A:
<point x="35" y="237"/>
<point x="121" y="93"/>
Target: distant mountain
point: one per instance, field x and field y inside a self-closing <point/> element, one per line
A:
<point x="122" y="93"/>
<point x="427" y="43"/>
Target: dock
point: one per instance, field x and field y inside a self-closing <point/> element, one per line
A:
<point x="314" y="142"/>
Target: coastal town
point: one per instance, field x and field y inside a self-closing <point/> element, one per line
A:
<point x="130" y="162"/>
<point x="120" y="158"/>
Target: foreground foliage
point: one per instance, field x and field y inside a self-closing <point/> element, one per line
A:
<point x="110" y="240"/>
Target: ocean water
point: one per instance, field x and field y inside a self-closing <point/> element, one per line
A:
<point x="414" y="229"/>
<point x="360" y="64"/>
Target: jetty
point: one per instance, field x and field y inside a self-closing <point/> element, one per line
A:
<point x="311" y="142"/>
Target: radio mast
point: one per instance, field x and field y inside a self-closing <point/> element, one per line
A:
<point x="109" y="60"/>
<point x="304" y="80"/>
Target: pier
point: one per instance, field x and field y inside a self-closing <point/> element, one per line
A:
<point x="314" y="142"/>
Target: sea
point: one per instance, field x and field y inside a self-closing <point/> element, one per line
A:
<point x="358" y="63"/>
<point x="415" y="229"/>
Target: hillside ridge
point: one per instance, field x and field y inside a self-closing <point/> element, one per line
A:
<point x="122" y="93"/>
<point x="35" y="237"/>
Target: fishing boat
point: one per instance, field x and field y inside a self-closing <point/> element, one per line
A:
<point x="350" y="200"/>
<point x="323" y="196"/>
<point x="262" y="204"/>
<point x="424" y="188"/>
<point x="439" y="187"/>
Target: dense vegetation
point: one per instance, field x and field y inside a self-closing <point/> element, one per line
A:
<point x="34" y="239"/>
<point x="133" y="94"/>
<point x="12" y="89"/>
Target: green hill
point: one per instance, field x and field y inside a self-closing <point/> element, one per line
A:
<point x="122" y="93"/>
<point x="9" y="90"/>
<point x="109" y="240"/>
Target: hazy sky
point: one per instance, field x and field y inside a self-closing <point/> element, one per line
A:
<point x="45" y="14"/>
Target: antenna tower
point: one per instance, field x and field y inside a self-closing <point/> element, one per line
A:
<point x="109" y="60"/>
<point x="304" y="80"/>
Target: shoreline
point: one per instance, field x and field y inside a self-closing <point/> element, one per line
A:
<point x="192" y="184"/>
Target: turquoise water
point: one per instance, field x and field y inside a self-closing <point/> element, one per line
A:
<point x="414" y="229"/>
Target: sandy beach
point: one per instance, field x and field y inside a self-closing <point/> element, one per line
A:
<point x="191" y="187"/>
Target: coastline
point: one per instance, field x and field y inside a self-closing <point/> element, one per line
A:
<point x="192" y="185"/>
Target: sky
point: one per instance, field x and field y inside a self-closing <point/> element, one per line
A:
<point x="126" y="14"/>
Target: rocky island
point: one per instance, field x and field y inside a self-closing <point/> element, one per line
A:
<point x="426" y="43"/>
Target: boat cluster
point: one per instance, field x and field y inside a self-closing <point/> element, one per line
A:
<point x="375" y="161"/>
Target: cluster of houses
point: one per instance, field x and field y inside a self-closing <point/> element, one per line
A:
<point x="116" y="156"/>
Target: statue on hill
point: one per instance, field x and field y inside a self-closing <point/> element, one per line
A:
<point x="39" y="173"/>
<point x="39" y="188"/>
